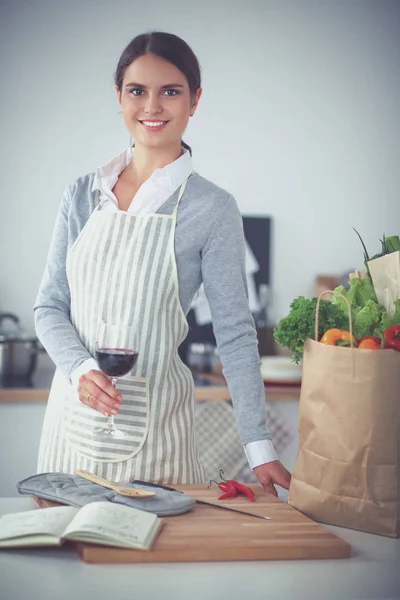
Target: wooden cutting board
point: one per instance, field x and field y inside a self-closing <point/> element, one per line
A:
<point x="210" y="534"/>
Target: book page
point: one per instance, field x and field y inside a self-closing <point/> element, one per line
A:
<point x="108" y="521"/>
<point x="42" y="521"/>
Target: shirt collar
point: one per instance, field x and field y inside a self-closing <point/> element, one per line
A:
<point x="177" y="171"/>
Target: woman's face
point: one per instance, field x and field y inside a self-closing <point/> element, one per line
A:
<point x="156" y="102"/>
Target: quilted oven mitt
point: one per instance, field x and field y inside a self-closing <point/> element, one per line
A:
<point x="76" y="491"/>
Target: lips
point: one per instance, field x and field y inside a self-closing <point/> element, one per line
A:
<point x="152" y="125"/>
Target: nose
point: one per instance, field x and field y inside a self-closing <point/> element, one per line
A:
<point x="153" y="104"/>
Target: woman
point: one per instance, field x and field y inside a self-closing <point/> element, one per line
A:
<point x="132" y="244"/>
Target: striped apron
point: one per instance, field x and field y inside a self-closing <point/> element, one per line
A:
<point x="122" y="270"/>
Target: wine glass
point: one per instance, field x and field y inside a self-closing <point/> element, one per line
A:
<point x="115" y="360"/>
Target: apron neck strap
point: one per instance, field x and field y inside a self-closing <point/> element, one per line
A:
<point x="181" y="191"/>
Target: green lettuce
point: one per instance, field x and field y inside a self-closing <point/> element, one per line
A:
<point x="367" y="319"/>
<point x="366" y="312"/>
<point x="387" y="321"/>
<point x="359" y="292"/>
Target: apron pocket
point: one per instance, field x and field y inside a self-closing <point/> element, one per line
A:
<point x="81" y="423"/>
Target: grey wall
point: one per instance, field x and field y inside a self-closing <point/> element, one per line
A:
<point x="299" y="120"/>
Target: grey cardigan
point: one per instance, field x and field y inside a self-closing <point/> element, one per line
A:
<point x="209" y="248"/>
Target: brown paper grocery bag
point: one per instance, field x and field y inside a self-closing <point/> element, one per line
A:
<point x="347" y="471"/>
<point x="385" y="275"/>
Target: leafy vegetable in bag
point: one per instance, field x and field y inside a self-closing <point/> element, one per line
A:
<point x="365" y="310"/>
<point x="299" y="324"/>
<point x="387" y="321"/>
<point x="389" y="244"/>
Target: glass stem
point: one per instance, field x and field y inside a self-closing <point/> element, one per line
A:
<point x="111" y="424"/>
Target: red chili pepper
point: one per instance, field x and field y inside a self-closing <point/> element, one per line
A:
<point x="392" y="337"/>
<point x="227" y="487"/>
<point x="239" y="487"/>
<point x="243" y="489"/>
<point x="228" y="495"/>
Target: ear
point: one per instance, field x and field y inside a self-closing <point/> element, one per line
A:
<point x="195" y="101"/>
<point x="118" y="92"/>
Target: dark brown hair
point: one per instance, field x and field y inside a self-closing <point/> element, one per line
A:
<point x="168" y="46"/>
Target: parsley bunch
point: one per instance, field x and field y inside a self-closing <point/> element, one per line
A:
<point x="292" y="331"/>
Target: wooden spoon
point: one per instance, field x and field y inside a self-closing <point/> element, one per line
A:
<point x="120" y="489"/>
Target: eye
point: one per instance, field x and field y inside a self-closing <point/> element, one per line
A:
<point x="171" y="92"/>
<point x="136" y="91"/>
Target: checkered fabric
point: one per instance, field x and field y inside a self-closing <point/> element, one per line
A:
<point x="280" y="435"/>
<point x="218" y="439"/>
<point x="219" y="442"/>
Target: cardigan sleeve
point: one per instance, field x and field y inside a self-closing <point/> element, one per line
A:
<point x="52" y="306"/>
<point x="224" y="279"/>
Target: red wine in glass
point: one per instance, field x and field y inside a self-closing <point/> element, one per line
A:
<point x="116" y="362"/>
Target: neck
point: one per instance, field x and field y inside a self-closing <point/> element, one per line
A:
<point x="147" y="160"/>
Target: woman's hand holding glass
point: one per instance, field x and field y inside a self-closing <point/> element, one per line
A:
<point x="96" y="391"/>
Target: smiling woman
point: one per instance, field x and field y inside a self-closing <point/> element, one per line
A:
<point x="158" y="85"/>
<point x="133" y="242"/>
<point x="158" y="81"/>
<point x="153" y="103"/>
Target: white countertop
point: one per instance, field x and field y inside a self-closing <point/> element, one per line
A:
<point x="48" y="574"/>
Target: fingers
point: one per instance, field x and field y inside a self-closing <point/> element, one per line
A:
<point x="96" y="391"/>
<point x="282" y="477"/>
<point x="272" y="473"/>
<point x="286" y="483"/>
<point x="262" y="472"/>
<point x="94" y="397"/>
<point x="103" y="382"/>
<point x="278" y="474"/>
<point x="270" y="488"/>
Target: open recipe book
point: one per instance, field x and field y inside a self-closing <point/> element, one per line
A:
<point x="101" y="523"/>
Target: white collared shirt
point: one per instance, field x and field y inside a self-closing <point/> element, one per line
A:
<point x="152" y="194"/>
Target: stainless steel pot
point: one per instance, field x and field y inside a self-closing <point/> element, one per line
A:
<point x="18" y="353"/>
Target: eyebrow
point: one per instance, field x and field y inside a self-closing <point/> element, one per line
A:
<point x="163" y="87"/>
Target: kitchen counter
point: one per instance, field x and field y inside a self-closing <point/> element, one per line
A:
<point x="210" y="393"/>
<point x="209" y="387"/>
<point x="372" y="572"/>
<point x="23" y="409"/>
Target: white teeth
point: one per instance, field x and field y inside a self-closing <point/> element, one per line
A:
<point x="153" y="123"/>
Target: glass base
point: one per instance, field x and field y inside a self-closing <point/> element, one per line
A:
<point x="115" y="433"/>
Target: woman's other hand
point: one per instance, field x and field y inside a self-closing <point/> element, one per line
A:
<point x="271" y="474"/>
